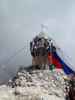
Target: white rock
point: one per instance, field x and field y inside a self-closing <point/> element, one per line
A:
<point x="40" y="85"/>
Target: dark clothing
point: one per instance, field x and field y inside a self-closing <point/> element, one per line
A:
<point x="72" y="93"/>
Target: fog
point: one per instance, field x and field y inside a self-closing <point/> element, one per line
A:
<point x="20" y="21"/>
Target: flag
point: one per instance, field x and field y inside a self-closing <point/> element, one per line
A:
<point x="66" y="68"/>
<point x="59" y="63"/>
<point x="54" y="60"/>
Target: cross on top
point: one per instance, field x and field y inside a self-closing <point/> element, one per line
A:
<point x="43" y="28"/>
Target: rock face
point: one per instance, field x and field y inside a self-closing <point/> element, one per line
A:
<point x="35" y="85"/>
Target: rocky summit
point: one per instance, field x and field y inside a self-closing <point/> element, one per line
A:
<point x="35" y="84"/>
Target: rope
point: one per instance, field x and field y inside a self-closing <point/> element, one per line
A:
<point x="14" y="54"/>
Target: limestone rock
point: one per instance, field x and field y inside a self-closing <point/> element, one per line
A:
<point x="35" y="85"/>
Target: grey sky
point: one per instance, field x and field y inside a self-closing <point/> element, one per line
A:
<point x="20" y="21"/>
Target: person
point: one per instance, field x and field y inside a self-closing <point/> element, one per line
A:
<point x="67" y="94"/>
<point x="72" y="88"/>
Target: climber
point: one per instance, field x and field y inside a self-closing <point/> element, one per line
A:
<point x="72" y="88"/>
